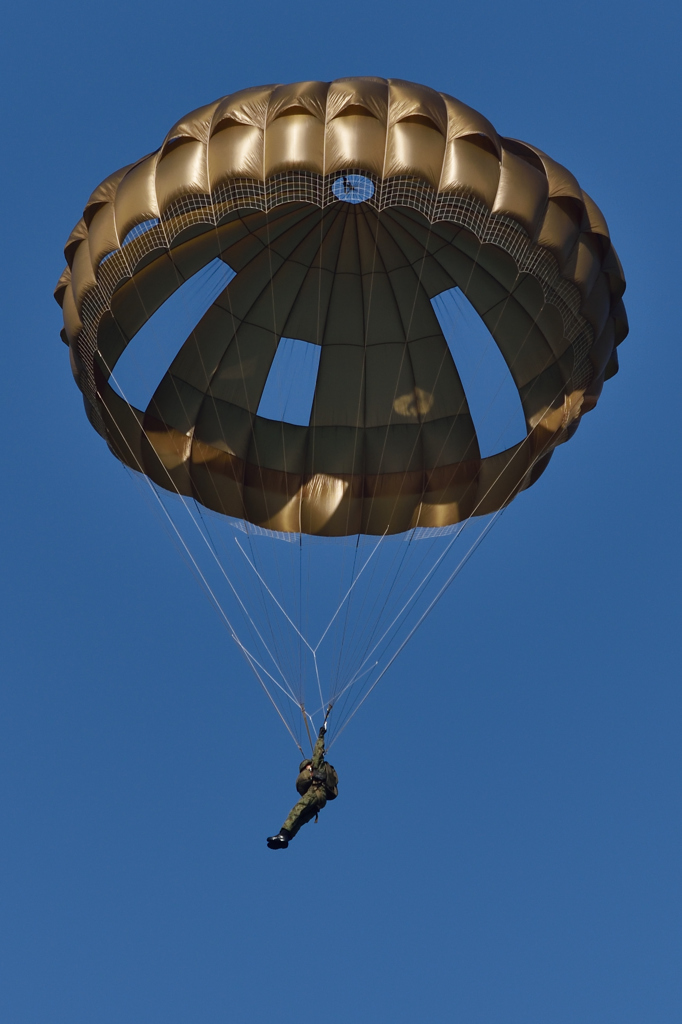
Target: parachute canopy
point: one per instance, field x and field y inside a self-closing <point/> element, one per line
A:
<point x="340" y="212"/>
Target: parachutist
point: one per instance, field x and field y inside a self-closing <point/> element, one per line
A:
<point x="317" y="782"/>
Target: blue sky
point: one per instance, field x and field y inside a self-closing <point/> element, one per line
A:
<point x="506" y="845"/>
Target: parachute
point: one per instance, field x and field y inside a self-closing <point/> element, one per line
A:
<point x="347" y="259"/>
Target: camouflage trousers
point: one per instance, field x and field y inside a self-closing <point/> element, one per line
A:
<point x="306" y="809"/>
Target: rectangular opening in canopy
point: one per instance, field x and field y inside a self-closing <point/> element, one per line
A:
<point x="492" y="396"/>
<point x="290" y="388"/>
<point x="149" y="354"/>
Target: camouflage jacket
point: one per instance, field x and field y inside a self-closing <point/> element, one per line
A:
<point x="317" y="772"/>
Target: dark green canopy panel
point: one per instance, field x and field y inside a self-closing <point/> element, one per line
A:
<point x="343" y="208"/>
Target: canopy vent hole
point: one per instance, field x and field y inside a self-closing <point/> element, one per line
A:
<point x="353" y="188"/>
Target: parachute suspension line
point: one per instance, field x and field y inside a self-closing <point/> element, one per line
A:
<point x="367" y="615"/>
<point x="289" y="620"/>
<point x="280" y="637"/>
<point x="396" y="597"/>
<point x="393" y="576"/>
<point x="300" y="629"/>
<point x="306" y="716"/>
<point x="312" y="650"/>
<point x="430" y="607"/>
<point x="280" y="388"/>
<point x="320" y="328"/>
<point x="276" y="661"/>
<point x="430" y="573"/>
<point x="201" y="577"/>
<point x="306" y="553"/>
<point x="363" y="616"/>
<point x="399" y="616"/>
<point x="359" y="417"/>
<point x="251" y="660"/>
<point x="339" y="646"/>
<point x="250" y="657"/>
<point x="247" y="614"/>
<point x="393" y="596"/>
<point x="360" y="409"/>
<point x="479" y="540"/>
<point x="358" y="675"/>
<point x="448" y="582"/>
<point x="404" y="353"/>
<point x="412" y="600"/>
<point x="236" y="594"/>
<point x="348" y="598"/>
<point x="180" y="279"/>
<point x="274" y="704"/>
<point x="348" y="592"/>
<point x="276" y="634"/>
<point x="362" y="646"/>
<point x="317" y="676"/>
<point x="300" y="596"/>
<point x="390" y="574"/>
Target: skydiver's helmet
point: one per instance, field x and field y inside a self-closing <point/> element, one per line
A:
<point x="304" y="764"/>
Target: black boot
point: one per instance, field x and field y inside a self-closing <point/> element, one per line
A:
<point x="281" y="841"/>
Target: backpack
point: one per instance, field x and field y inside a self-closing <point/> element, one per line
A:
<point x="331" y="784"/>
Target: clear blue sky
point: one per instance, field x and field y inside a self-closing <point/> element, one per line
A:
<point x="506" y="848"/>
